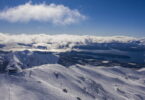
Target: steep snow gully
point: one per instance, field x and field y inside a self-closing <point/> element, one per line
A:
<point x="80" y="68"/>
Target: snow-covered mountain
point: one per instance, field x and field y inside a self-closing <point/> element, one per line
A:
<point x="71" y="67"/>
<point x="56" y="82"/>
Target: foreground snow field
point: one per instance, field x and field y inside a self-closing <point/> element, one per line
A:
<point x="67" y="67"/>
<point x="56" y="82"/>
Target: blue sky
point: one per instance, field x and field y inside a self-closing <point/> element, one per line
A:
<point x="103" y="18"/>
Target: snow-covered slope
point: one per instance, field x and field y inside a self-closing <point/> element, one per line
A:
<point x="71" y="67"/>
<point x="56" y="82"/>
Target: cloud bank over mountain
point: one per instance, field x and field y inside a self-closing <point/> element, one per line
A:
<point x="62" y="38"/>
<point x="56" y="14"/>
<point x="64" y="41"/>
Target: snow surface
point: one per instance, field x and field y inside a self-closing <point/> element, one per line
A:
<point x="40" y="74"/>
<point x="48" y="82"/>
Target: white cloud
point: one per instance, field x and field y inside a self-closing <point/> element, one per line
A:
<point x="56" y="14"/>
<point x="62" y="39"/>
<point x="55" y="42"/>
